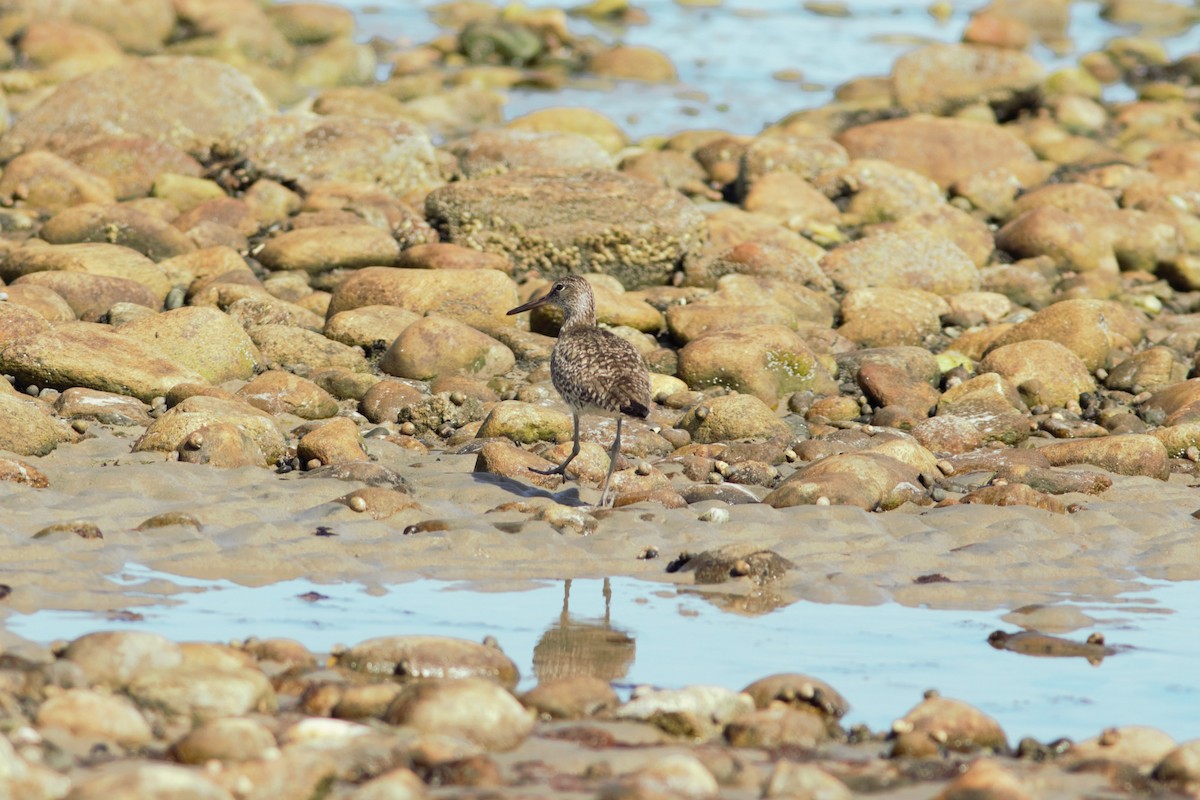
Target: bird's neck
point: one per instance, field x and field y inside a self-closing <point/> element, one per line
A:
<point x="579" y="315"/>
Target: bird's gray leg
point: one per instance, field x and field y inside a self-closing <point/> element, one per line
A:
<point x="612" y="465"/>
<point x="561" y="469"/>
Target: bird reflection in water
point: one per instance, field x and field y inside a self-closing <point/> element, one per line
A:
<point x="579" y="646"/>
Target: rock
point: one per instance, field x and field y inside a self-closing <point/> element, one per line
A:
<point x="1149" y="370"/>
<point x="96" y="259"/>
<point x="179" y="425"/>
<point x="397" y="784"/>
<point x="695" y="713"/>
<point x="311" y="23"/>
<point x="383" y="401"/>
<point x="129" y="780"/>
<point x="867" y="480"/>
<point x="365" y="326"/>
<point x="49" y="183"/>
<point x="202" y="339"/>
<point x="46" y="302"/>
<point x="812" y="695"/>
<point x="296" y="349"/>
<point x="198" y="103"/>
<point x="493" y="152"/>
<point x="112" y="659"/>
<point x="413" y="658"/>
<point x="879" y="191"/>
<point x="984" y="778"/>
<point x="633" y="63"/>
<point x="132" y="164"/>
<point x="985" y="395"/>
<point x="335" y="442"/>
<point x="390" y="154"/>
<point x="278" y="392"/>
<point x="223" y="445"/>
<point x="563" y="222"/>
<point x="257" y="309"/>
<point x="732" y="417"/>
<point x="510" y="461"/>
<point x="571" y="697"/>
<point x="1014" y="494"/>
<point x="1138" y="746"/>
<point x="92" y="356"/>
<point x="27" y="427"/>
<point x="946" y="150"/>
<point x="907" y="260"/>
<point x="1052" y="232"/>
<point x="1092" y="329"/>
<point x="791" y="266"/>
<point x="803" y="156"/>
<point x="951" y="724"/>
<point x="203" y="693"/>
<point x="778" y="726"/>
<point x="766" y="361"/>
<point x="16" y="471"/>
<point x="479" y="297"/>
<point x="891" y="317"/>
<point x="104" y="407"/>
<point x="1180" y="768"/>
<point x="1045" y="372"/>
<point x="885" y="385"/>
<point x="122" y="225"/>
<point x="679" y="775"/>
<point x="224" y="739"/>
<point x="93" y="715"/>
<point x="1128" y="454"/>
<point x="943" y="78"/>
<point x="790" y="779"/>
<point x="525" y="423"/>
<point x="436" y="346"/>
<point x="325" y="247"/>
<point x="571" y="119"/>
<point x="377" y="502"/>
<point x="472" y="708"/>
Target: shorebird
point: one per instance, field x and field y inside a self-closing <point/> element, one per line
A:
<point x="595" y="371"/>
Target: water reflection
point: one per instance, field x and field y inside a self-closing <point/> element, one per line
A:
<point x="881" y="658"/>
<point x="583" y="646"/>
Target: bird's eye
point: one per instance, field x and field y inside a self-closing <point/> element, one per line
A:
<point x="558" y="287"/>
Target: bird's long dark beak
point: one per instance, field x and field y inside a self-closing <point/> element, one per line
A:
<point x="534" y="303"/>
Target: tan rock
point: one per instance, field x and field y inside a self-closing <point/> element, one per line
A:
<point x="905" y="260"/>
<point x="201" y="338"/>
<point x="568" y="222"/>
<point x="90" y="355"/>
<point x="891" y="317"/>
<point x="173" y="429"/>
<point x="767" y="361"/>
<point x="278" y="392"/>
<point x="1092" y="329"/>
<point x="475" y="709"/>
<point x="393" y="155"/>
<point x="197" y="103"/>
<point x="1049" y="231"/>
<point x="879" y="191"/>
<point x="112" y="659"/>
<point x="867" y="480"/>
<point x="477" y="297"/>
<point x="525" y="423"/>
<point x="335" y="442"/>
<point x="732" y="417"/>
<point x="99" y="259"/>
<point x="570" y="119"/>
<point x="1128" y="454"/>
<point x="493" y="152"/>
<point x="1045" y="372"/>
<point x="44" y="301"/>
<point x="27" y="427"/>
<point x="49" y="183"/>
<point x="94" y="715"/>
<point x="225" y="739"/>
<point x="327" y="247"/>
<point x="436" y="346"/>
<point x="944" y="149"/>
<point x="510" y="461"/>
<point x="285" y="347"/>
<point x="942" y="78"/>
<point x="122" y="225"/>
<point x="203" y="693"/>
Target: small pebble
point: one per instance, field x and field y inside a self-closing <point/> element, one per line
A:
<point x="408" y="429"/>
<point x="313" y="463"/>
<point x="358" y="504"/>
<point x="715" y="515"/>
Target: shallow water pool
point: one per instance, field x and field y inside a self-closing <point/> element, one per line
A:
<point x="632" y="632"/>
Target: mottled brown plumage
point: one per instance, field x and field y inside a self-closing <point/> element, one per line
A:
<point x="595" y="371"/>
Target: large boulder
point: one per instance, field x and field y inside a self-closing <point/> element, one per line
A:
<point x="563" y="222"/>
